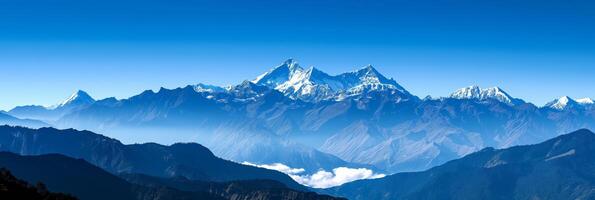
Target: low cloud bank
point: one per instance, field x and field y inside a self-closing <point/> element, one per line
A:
<point x="322" y="178"/>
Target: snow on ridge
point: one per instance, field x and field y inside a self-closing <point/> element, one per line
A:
<point x="476" y="92"/>
<point x="77" y="97"/>
<point x="315" y="85"/>
<point x="567" y="102"/>
<point x="585" y="101"/>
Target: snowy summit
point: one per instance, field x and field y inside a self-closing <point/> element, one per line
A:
<point x="482" y="94"/>
<point x="315" y="85"/>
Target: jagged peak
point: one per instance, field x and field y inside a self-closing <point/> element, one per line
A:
<point x="369" y="75"/>
<point x="296" y="82"/>
<point x="279" y="74"/>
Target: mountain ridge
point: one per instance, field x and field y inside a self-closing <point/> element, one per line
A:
<point x="559" y="168"/>
<point x="191" y="160"/>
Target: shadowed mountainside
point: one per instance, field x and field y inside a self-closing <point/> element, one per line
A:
<point x="560" y="168"/>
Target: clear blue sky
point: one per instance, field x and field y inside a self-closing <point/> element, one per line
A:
<point x="536" y="50"/>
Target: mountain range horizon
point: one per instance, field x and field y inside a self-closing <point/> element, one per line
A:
<point x="304" y="118"/>
<point x="206" y="100"/>
<point x="472" y="91"/>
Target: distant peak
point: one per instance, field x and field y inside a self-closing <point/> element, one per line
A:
<point x="312" y="83"/>
<point x="585" y="101"/>
<point x="80" y="94"/>
<point x="561" y="103"/>
<point x="78" y="97"/>
<point x="279" y="74"/>
<point x="476" y="92"/>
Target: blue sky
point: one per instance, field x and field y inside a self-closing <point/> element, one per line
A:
<point x="535" y="50"/>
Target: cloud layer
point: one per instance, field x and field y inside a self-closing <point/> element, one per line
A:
<point x="322" y="178"/>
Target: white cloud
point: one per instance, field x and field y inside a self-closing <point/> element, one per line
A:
<point x="322" y="178"/>
<point x="279" y="167"/>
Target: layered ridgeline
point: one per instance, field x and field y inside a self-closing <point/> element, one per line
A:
<point x="560" y="168"/>
<point x="6" y="119"/>
<point x="305" y="118"/>
<point x="77" y="101"/>
<point x="189" y="160"/>
<point x="88" y="182"/>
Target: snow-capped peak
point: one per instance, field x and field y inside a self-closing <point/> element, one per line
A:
<point x="475" y="92"/>
<point x="368" y="75"/>
<point x="279" y="74"/>
<point x="313" y="85"/>
<point x="78" y="98"/>
<point x="561" y="103"/>
<point x="567" y="102"/>
<point x="585" y="101"/>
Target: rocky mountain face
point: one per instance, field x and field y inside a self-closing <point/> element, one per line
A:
<point x="309" y="119"/>
<point x="560" y="168"/>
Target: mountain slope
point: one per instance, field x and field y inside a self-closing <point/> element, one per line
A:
<point x="250" y="189"/>
<point x="68" y="175"/>
<point x="560" y="168"/>
<point x="190" y="160"/>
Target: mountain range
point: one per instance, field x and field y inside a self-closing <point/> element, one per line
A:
<point x="6" y="119"/>
<point x="305" y="118"/>
<point x="559" y="168"/>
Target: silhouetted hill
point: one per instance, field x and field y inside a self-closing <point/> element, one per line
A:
<point x="87" y="182"/>
<point x="13" y="188"/>
<point x="248" y="189"/>
<point x="560" y="168"/>
<point x="64" y="174"/>
<point x="189" y="160"/>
